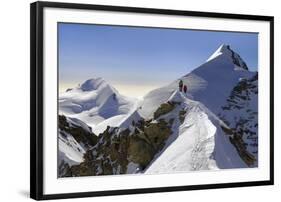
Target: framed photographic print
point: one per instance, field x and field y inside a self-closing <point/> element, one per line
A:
<point x="136" y="100"/>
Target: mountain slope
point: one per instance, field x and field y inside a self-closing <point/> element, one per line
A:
<point x="240" y="113"/>
<point x="211" y="83"/>
<point x="200" y="144"/>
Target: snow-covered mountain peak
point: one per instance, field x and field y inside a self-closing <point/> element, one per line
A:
<point x="222" y="49"/>
<point x="97" y="103"/>
<point x="92" y="84"/>
<point x="226" y="52"/>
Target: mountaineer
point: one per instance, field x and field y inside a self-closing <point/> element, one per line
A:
<point x="180" y="85"/>
<point x="184" y="88"/>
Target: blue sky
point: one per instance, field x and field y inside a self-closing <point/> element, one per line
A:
<point x="142" y="57"/>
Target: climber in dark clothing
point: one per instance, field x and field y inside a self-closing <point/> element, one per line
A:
<point x="180" y="85"/>
<point x="114" y="96"/>
<point x="184" y="88"/>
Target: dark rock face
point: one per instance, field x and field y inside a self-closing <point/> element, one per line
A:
<point x="241" y="115"/>
<point x="81" y="135"/>
<point x="157" y="133"/>
<point x="140" y="150"/>
<point x="241" y="148"/>
<point x="63" y="169"/>
<point x="164" y="109"/>
<point x="182" y="114"/>
<point x="237" y="60"/>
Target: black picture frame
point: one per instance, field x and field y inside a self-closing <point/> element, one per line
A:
<point x="37" y="101"/>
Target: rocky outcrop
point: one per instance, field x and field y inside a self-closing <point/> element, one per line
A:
<point x="79" y="133"/>
<point x="164" y="109"/>
<point x="74" y="138"/>
<point x="118" y="149"/>
<point x="237" y="60"/>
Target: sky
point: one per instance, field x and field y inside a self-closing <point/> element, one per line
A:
<point x="136" y="60"/>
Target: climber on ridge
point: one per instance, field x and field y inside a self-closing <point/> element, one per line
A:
<point x="180" y="85"/>
<point x="184" y="88"/>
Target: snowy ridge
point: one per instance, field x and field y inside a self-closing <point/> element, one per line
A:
<point x="121" y="121"/>
<point x="199" y="145"/>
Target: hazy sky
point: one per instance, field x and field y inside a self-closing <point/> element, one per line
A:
<point x="137" y="60"/>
